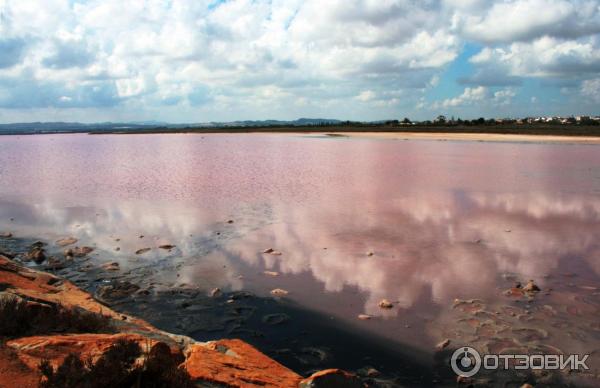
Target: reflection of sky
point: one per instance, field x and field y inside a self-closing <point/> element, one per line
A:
<point x="446" y="246"/>
<point x="445" y="220"/>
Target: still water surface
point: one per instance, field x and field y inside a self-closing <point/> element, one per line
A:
<point x="428" y="225"/>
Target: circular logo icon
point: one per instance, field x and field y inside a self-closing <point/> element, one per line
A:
<point x="465" y="361"/>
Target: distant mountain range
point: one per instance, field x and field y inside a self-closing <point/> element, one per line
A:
<point x="59" y="127"/>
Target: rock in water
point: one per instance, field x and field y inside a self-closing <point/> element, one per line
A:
<point x="443" y="345"/>
<point x="215" y="292"/>
<point x="82" y="251"/>
<point x="268" y="250"/>
<point x="275" y="319"/>
<point x="279" y="292"/>
<point x="142" y="251"/>
<point x="6" y="235"/>
<point x="114" y="266"/>
<point x="166" y="246"/>
<point x="117" y="290"/>
<point x="385" y="304"/>
<point x="331" y="378"/>
<point x="531" y="287"/>
<point x="63" y="242"/>
<point x="38" y="255"/>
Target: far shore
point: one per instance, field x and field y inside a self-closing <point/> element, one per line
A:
<point x="485" y="137"/>
<point x="535" y="133"/>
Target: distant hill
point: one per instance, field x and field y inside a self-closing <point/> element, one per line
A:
<point x="70" y="127"/>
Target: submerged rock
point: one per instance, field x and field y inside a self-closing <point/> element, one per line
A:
<point x="37" y="254"/>
<point x="531" y="287"/>
<point x="142" y="251"/>
<point x="385" y="304"/>
<point x="117" y="290"/>
<point x="63" y="242"/>
<point x="279" y="292"/>
<point x="114" y="266"/>
<point x="443" y="345"/>
<point x="82" y="251"/>
<point x="55" y="264"/>
<point x="275" y="319"/>
<point x="166" y="246"/>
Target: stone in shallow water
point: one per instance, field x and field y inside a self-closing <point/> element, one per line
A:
<point x="116" y="290"/>
<point x="279" y="292"/>
<point x="63" y="242"/>
<point x="531" y="287"/>
<point x="311" y="355"/>
<point x="142" y="251"/>
<point x="331" y="378"/>
<point x="275" y="319"/>
<point x="166" y="246"/>
<point x="468" y="306"/>
<point x="114" y="266"/>
<point x="37" y="254"/>
<point x="82" y="251"/>
<point x="385" y="304"/>
<point x="530" y="334"/>
<point x="497" y="345"/>
<point x="442" y="345"/>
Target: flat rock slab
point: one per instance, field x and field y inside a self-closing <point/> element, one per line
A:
<point x="235" y="363"/>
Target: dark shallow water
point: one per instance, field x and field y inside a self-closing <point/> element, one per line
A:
<point x="443" y="220"/>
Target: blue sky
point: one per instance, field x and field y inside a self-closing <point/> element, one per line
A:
<point x="199" y="61"/>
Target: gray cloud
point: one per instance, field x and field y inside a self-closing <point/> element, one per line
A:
<point x="34" y="94"/>
<point x="68" y="54"/>
<point x="11" y="51"/>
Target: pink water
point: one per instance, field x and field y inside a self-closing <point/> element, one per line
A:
<point x="443" y="219"/>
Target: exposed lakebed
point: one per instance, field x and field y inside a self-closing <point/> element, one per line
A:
<point x="292" y="242"/>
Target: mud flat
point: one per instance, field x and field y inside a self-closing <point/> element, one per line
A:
<point x="487" y="137"/>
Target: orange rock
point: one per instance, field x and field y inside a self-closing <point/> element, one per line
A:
<point x="236" y="364"/>
<point x="13" y="373"/>
<point x="32" y="350"/>
<point x="45" y="287"/>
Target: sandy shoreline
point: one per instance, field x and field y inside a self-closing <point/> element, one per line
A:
<point x="486" y="137"/>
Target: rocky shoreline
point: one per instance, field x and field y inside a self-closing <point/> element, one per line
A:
<point x="230" y="362"/>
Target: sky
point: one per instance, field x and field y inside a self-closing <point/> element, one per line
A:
<point x="199" y="61"/>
